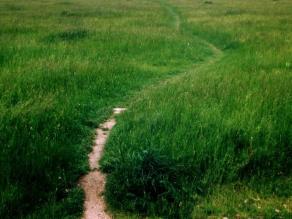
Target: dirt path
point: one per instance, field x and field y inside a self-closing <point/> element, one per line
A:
<point x="93" y="183"/>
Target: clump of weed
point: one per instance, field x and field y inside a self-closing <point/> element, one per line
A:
<point x="208" y="2"/>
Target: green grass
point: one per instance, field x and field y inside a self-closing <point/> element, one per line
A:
<point x="208" y="90"/>
<point x="226" y="120"/>
<point x="239" y="201"/>
<point x="64" y="65"/>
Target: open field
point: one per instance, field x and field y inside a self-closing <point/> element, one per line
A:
<point x="207" y="85"/>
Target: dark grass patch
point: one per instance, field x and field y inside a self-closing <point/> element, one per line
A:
<point x="2" y="59"/>
<point x="11" y="7"/>
<point x="208" y="2"/>
<point x="68" y="14"/>
<point x="16" y="30"/>
<point x="69" y="207"/>
<point x="5" y="57"/>
<point x="67" y="36"/>
<point x="234" y="11"/>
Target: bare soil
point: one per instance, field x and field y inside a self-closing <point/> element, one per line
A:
<point x="93" y="183"/>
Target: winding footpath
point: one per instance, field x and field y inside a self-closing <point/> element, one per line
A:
<point x="94" y="182"/>
<point x="177" y="25"/>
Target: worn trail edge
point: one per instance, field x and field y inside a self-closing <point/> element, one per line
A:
<point x="93" y="183"/>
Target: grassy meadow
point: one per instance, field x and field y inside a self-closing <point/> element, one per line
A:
<point x="207" y="85"/>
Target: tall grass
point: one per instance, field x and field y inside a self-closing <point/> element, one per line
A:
<point x="226" y="120"/>
<point x="64" y="65"/>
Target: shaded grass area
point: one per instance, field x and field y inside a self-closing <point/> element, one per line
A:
<point x="186" y="142"/>
<point x="64" y="65"/>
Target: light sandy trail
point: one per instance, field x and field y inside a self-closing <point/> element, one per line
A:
<point x="93" y="183"/>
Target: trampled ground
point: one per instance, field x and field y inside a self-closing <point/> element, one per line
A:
<point x="207" y="85"/>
